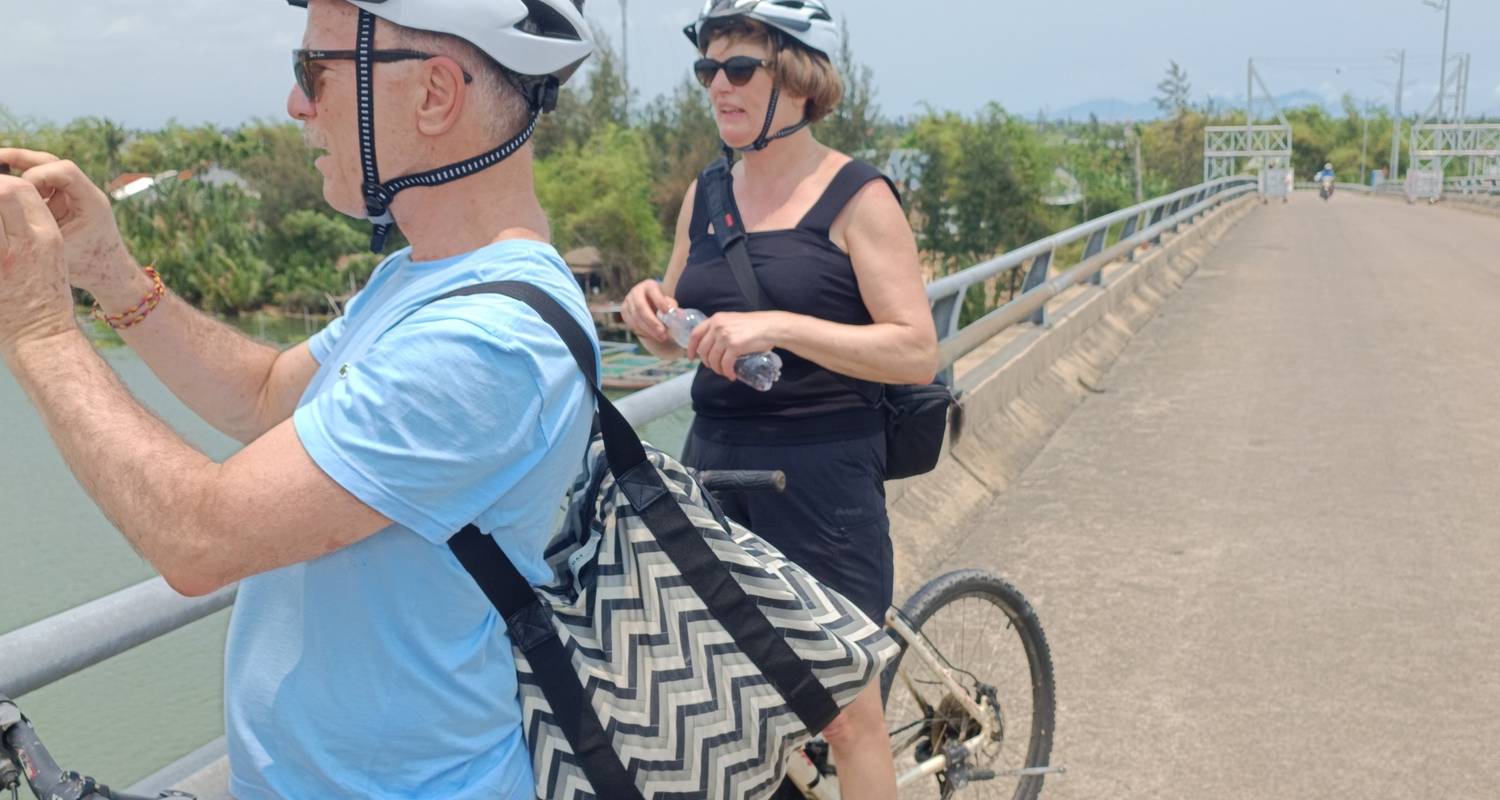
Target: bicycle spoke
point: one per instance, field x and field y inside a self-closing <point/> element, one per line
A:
<point x="975" y="638"/>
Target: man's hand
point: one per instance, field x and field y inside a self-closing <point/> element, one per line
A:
<point x="97" y="260"/>
<point x="37" y="303"/>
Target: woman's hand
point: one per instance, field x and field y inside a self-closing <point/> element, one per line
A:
<point x="640" y="308"/>
<point x="727" y="335"/>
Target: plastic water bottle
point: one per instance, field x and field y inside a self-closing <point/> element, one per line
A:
<point x="759" y="370"/>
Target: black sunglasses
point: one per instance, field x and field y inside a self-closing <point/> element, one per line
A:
<point x="739" y="70"/>
<point x="307" y="70"/>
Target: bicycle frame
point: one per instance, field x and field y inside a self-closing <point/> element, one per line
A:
<point x="805" y="775"/>
<point x="917" y="644"/>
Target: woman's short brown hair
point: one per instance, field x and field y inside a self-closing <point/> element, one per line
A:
<point x="797" y="69"/>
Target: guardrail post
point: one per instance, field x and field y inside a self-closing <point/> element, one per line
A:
<point x="1131" y="226"/>
<point x="1094" y="248"/>
<point x="945" y="314"/>
<point x="1176" y="206"/>
<point x="1034" y="278"/>
<point x="1156" y="215"/>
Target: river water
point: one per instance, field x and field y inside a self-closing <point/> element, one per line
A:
<point x="123" y="719"/>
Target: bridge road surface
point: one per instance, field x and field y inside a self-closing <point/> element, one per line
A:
<point x="1267" y="557"/>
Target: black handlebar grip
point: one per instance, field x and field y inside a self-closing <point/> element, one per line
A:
<point x="743" y="480"/>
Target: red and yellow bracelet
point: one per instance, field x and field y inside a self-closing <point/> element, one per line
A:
<point x="139" y="312"/>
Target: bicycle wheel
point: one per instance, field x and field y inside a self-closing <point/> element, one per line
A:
<point x="990" y="641"/>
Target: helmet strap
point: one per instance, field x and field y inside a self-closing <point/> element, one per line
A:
<point x="378" y="196"/>
<point x="763" y="140"/>
<point x="376" y="207"/>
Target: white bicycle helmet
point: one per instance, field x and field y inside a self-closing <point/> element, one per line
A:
<point x="807" y="21"/>
<point x="543" y="42"/>
<point x="528" y="37"/>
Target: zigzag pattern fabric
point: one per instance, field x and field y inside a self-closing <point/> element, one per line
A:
<point x="688" y="713"/>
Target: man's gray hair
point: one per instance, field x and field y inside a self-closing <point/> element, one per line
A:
<point x="495" y="87"/>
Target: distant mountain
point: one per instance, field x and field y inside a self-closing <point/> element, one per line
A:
<point x="1108" y="110"/>
<point x="1301" y="98"/>
<point x="1113" y="109"/>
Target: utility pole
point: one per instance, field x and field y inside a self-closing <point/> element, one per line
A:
<point x="1364" y="149"/>
<point x="1463" y="89"/>
<point x="1139" y="197"/>
<point x="1445" y="6"/>
<point x="1249" y="95"/>
<point x="1396" y="123"/>
<point x="1133" y="141"/>
<point x="625" y="44"/>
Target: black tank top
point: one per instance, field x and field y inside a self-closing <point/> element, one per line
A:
<point x="801" y="271"/>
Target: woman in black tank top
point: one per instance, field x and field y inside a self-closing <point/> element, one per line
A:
<point x="835" y="258"/>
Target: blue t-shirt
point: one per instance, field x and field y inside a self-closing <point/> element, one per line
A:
<point x="381" y="670"/>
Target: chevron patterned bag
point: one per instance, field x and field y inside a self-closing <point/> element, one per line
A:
<point x="675" y="655"/>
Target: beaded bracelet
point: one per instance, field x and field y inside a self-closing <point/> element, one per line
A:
<point x="139" y="312"/>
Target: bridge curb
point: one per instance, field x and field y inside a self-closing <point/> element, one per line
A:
<point x="1483" y="205"/>
<point x="1028" y="386"/>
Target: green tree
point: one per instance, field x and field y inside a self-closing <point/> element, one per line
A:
<point x="680" y="138"/>
<point x="175" y="148"/>
<point x="601" y="98"/>
<point x="1175" y="91"/>
<point x="207" y="242"/>
<point x="278" y="164"/>
<point x="599" y="195"/>
<point x="980" y="187"/>
<point x="317" y="257"/>
<point x="853" y="127"/>
<point x="1172" y="150"/>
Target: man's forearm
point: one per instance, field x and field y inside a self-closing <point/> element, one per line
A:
<point x="144" y="477"/>
<point x="215" y="370"/>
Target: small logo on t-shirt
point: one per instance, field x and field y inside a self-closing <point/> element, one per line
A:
<point x="343" y="371"/>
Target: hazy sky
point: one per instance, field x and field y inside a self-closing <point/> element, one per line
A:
<point x="224" y="61"/>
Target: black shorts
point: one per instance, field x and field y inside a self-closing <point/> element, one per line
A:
<point x="831" y="520"/>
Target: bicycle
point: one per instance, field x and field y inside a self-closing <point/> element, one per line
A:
<point x="951" y="729"/>
<point x="949" y="717"/>
<point x="22" y="755"/>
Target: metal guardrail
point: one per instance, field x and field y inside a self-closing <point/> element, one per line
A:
<point x="1472" y="185"/>
<point x="53" y="648"/>
<point x="1475" y="190"/>
<point x="1140" y="225"/>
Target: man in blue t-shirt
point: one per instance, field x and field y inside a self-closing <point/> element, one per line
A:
<point x="362" y="660"/>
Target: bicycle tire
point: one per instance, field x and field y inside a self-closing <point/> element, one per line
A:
<point x="972" y="584"/>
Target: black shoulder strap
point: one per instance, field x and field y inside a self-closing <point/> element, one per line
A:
<point x="716" y="187"/>
<point x="530" y="624"/>
<point x="527" y="622"/>
<point x="845" y="185"/>
<point x="698" y="224"/>
<point x="739" y="260"/>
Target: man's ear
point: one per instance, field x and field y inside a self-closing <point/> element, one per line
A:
<point x="442" y="96"/>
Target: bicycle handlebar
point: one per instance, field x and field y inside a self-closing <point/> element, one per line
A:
<point x="22" y="755"/>
<point x="742" y="480"/>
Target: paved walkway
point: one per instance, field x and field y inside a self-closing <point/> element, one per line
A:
<point x="1268" y="556"/>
